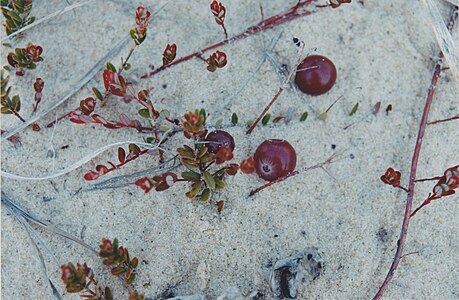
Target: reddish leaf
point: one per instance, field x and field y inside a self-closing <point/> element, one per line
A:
<point x="114" y="82"/>
<point x="145" y="184"/>
<point x="232" y="169"/>
<point x="248" y="166"/>
<point x="169" y="53"/>
<point x="121" y="155"/>
<point x="391" y="177"/>
<point x="91" y="175"/>
<point x="87" y="105"/>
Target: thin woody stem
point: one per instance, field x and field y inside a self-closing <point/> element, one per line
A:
<point x="253" y="192"/>
<point x="224" y="30"/>
<point x="17" y="114"/>
<point x="414" y="164"/>
<point x="456" y="117"/>
<point x="317" y="166"/>
<point x="403" y="188"/>
<point x="265" y="110"/>
<point x="426" y="202"/>
<point x="429" y="179"/>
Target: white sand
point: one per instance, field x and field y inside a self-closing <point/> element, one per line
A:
<point x="384" y="51"/>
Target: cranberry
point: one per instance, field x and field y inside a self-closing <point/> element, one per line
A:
<point x="274" y="159"/>
<point x="315" y="75"/>
<point x="218" y="138"/>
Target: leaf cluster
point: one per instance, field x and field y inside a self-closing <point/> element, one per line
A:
<point x="9" y="105"/>
<point x="16" y="14"/>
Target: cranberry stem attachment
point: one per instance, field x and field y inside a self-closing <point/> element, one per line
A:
<point x="414" y="164"/>
<point x="317" y="166"/>
<point x="270" y="183"/>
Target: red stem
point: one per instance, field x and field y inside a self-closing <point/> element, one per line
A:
<point x="62" y="117"/>
<point x="414" y="164"/>
<point x="320" y="165"/>
<point x="265" y="110"/>
<point x="403" y="188"/>
<point x="443" y="120"/>
<point x="224" y="30"/>
<point x="289" y="15"/>
<point x="426" y="202"/>
<point x="253" y="192"/>
<point x="428" y="179"/>
<point x="17" y="115"/>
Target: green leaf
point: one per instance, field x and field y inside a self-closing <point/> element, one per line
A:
<point x="219" y="184"/>
<point x="304" y="116"/>
<point x="97" y="93"/>
<point x="354" y="109"/>
<point x="188" y="165"/>
<point x="134" y="262"/>
<point x="205" y="195"/>
<point x="127" y="67"/>
<point x="209" y="180"/>
<point x="131" y="278"/>
<point x="110" y="67"/>
<point x="190" y="175"/>
<point x="184" y="152"/>
<point x="16" y="103"/>
<point x="118" y="270"/>
<point x="19" y="6"/>
<point x="195" y="187"/>
<point x="108" y="294"/>
<point x="219" y="122"/>
<point x="144" y="113"/>
<point x="234" y="119"/>
<point x="15" y="17"/>
<point x="5" y="110"/>
<point x="202" y="112"/>
<point x="323" y="116"/>
<point x="265" y="119"/>
<point x="134" y="149"/>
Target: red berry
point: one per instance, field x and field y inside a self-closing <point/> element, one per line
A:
<point x="219" y="138"/>
<point x="274" y="159"/>
<point x="315" y="75"/>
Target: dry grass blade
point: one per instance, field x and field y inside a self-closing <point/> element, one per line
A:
<point x="19" y="212"/>
<point x="444" y="37"/>
<point x="52" y="15"/>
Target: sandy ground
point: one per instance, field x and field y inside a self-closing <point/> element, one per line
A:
<point x="384" y="51"/>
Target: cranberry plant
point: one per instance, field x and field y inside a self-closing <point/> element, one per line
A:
<point x="202" y="160"/>
<point x="80" y="278"/>
<point x="16" y="14"/>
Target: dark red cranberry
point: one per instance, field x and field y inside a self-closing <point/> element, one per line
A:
<point x="274" y="159"/>
<point x="218" y="138"/>
<point x="315" y="75"/>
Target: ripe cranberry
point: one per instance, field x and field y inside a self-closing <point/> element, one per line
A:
<point x="218" y="138"/>
<point x="315" y="75"/>
<point x="274" y="159"/>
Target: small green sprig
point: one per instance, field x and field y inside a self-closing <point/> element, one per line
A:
<point x="16" y="13"/>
